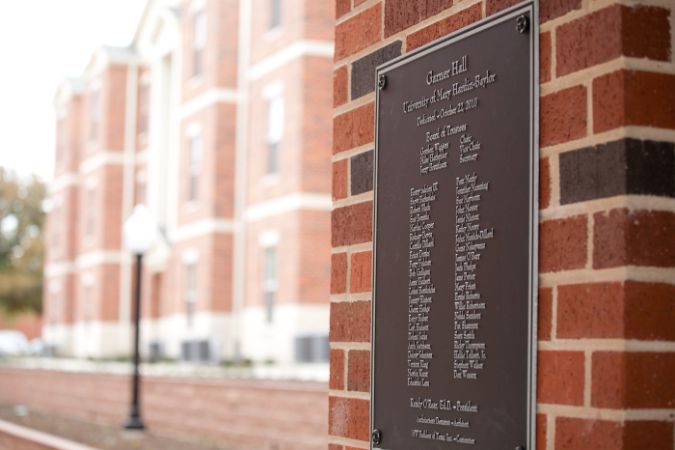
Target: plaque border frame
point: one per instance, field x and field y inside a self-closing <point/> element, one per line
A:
<point x="527" y="6"/>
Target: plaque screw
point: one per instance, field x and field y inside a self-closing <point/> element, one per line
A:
<point x="382" y="82"/>
<point x="522" y="24"/>
<point x="520" y="447"/>
<point x="376" y="437"/>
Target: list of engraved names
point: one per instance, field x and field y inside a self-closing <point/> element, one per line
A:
<point x="445" y="140"/>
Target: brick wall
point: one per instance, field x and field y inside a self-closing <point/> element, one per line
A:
<point x="239" y="413"/>
<point x="607" y="220"/>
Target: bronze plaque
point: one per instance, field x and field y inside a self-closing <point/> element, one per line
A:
<point x="453" y="359"/>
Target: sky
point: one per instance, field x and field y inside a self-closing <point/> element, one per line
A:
<point x="41" y="43"/>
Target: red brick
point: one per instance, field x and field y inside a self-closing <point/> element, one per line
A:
<point x="360" y="273"/>
<point x="650" y="311"/>
<point x="633" y="380"/>
<point x="541" y="431"/>
<point x="562" y="244"/>
<point x="560" y="377"/>
<point x="353" y="128"/>
<point x="340" y="171"/>
<point x="349" y="417"/>
<point x="563" y="116"/>
<point x="335" y="447"/>
<point x="350" y="321"/>
<point x="587" y="434"/>
<point x="641" y="32"/>
<point x="338" y="278"/>
<point x="401" y="14"/>
<point x="337" y="369"/>
<point x="573" y="434"/>
<point x="640" y="238"/>
<point x="548" y="9"/>
<point x="352" y="224"/>
<point x="545" y="307"/>
<point x="648" y="435"/>
<point x="625" y="98"/>
<point x="544" y="183"/>
<point x="340" y="86"/>
<point x="590" y="310"/>
<point x="342" y="7"/>
<point x="630" y="310"/>
<point x="358" y="371"/>
<point x="444" y="27"/>
<point x="358" y="32"/>
<point x="545" y="57"/>
<point x="358" y="2"/>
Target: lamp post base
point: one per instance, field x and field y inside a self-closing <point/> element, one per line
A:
<point x="134" y="423"/>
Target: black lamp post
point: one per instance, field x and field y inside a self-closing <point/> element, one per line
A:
<point x="139" y="235"/>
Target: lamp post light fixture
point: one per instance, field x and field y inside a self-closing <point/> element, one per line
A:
<point x="140" y="233"/>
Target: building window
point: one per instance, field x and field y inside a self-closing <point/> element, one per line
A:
<point x="275" y="14"/>
<point x="275" y="130"/>
<point x="90" y="212"/>
<point x="198" y="42"/>
<point x="94" y="115"/>
<point x="143" y="108"/>
<point x="195" y="144"/>
<point x="270" y="282"/>
<point x="190" y="294"/>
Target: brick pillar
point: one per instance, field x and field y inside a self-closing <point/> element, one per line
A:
<point x="606" y="375"/>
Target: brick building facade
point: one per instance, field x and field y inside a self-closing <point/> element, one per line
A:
<point x="217" y="116"/>
<point x="606" y="354"/>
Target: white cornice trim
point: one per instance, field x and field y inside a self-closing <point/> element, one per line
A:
<point x="288" y="203"/>
<point x="98" y="257"/>
<point x="104" y="158"/>
<point x="201" y="228"/>
<point x="57" y="269"/>
<point x="63" y="181"/>
<point x="208" y="98"/>
<point x="284" y="56"/>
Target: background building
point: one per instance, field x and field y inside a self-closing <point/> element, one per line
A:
<point x="218" y="117"/>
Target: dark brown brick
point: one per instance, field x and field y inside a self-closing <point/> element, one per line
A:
<point x="401" y="14"/>
<point x="363" y="69"/>
<point x="443" y="27"/>
<point x="362" y="172"/>
<point x="640" y="238"/>
<point x="563" y="116"/>
<point x="624" y="167"/>
<point x="633" y="380"/>
<point x="625" y="98"/>
<point x="641" y="32"/>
